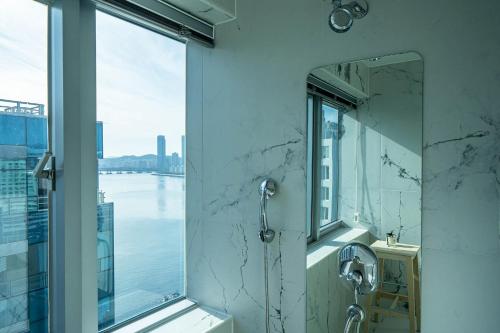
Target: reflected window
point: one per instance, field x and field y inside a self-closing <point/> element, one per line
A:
<point x="324" y="122"/>
<point x="325" y="193"/>
<point x="325" y="152"/>
<point x="325" y="172"/>
<point x="324" y="213"/>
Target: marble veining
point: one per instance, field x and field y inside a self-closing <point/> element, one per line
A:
<point x="253" y="96"/>
<point x="402" y="172"/>
<point x="382" y="182"/>
<point x="327" y="298"/>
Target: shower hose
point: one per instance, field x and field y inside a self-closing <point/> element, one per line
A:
<point x="349" y="323"/>
<point x="266" y="286"/>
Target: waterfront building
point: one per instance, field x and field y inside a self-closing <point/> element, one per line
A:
<point x="23" y="218"/>
<point x="24" y="213"/>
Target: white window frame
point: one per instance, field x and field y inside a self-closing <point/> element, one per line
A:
<point x="73" y="225"/>
<point x="73" y="304"/>
<point x="315" y="169"/>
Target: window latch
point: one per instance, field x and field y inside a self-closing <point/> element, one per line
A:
<point x="46" y="170"/>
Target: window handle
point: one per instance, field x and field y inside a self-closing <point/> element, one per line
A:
<point x="46" y="169"/>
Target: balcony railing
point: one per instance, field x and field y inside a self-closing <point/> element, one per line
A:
<point x="10" y="106"/>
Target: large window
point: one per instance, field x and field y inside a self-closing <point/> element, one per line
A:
<point x="23" y="140"/>
<point x="141" y="152"/>
<point x="324" y="123"/>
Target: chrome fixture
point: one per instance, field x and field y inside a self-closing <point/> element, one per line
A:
<point x="342" y="16"/>
<point x="358" y="271"/>
<point x="267" y="189"/>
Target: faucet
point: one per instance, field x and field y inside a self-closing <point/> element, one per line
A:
<point x="358" y="271"/>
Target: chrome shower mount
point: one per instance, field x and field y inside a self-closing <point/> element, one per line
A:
<point x="343" y="15"/>
<point x="358" y="272"/>
<point x="267" y="189"/>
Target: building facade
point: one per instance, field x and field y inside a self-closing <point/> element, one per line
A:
<point x="24" y="214"/>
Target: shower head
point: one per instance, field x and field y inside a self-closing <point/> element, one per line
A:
<point x="342" y="16"/>
<point x="267" y="188"/>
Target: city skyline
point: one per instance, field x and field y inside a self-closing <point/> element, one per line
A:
<point x="130" y="78"/>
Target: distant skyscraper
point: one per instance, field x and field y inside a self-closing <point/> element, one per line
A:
<point x="176" y="163"/>
<point x="160" y="153"/>
<point x="183" y="154"/>
<point x="99" y="134"/>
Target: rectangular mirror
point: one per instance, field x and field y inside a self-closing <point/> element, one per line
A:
<point x="364" y="185"/>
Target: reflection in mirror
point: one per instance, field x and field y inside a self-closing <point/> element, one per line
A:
<point x="364" y="185"/>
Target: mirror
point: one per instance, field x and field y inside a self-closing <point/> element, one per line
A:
<point x="365" y="185"/>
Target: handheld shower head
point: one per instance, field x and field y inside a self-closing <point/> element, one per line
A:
<point x="266" y="190"/>
<point x="342" y="16"/>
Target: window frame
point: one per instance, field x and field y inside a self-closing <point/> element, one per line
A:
<point x="71" y="105"/>
<point x="118" y="14"/>
<point x="315" y="102"/>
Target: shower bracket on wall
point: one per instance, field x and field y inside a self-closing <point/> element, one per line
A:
<point x="267" y="189"/>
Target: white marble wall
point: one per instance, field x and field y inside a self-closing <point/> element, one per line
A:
<point x="381" y="174"/>
<point x="229" y="154"/>
<point x="327" y="297"/>
<point x="252" y="95"/>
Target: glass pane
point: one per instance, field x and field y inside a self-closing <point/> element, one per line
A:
<point x="329" y="163"/>
<point x="23" y="140"/>
<point x="141" y="152"/>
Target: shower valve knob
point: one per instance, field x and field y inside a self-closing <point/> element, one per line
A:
<point x="266" y="236"/>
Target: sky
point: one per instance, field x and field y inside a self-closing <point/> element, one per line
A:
<point x="140" y="76"/>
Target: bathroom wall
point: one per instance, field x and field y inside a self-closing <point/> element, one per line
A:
<point x="327" y="297"/>
<point x="381" y="174"/>
<point x="252" y="121"/>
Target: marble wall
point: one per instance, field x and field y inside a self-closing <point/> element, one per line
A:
<point x="229" y="154"/>
<point x="327" y="297"/>
<point x="251" y="120"/>
<point x="381" y="176"/>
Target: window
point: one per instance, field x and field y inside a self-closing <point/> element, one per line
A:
<point x="325" y="172"/>
<point x="23" y="140"/>
<point x="141" y="158"/>
<point x="325" y="193"/>
<point x="324" y="213"/>
<point x="324" y="121"/>
<point x="325" y="152"/>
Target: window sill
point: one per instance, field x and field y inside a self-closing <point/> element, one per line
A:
<point x="183" y="316"/>
<point x="331" y="243"/>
